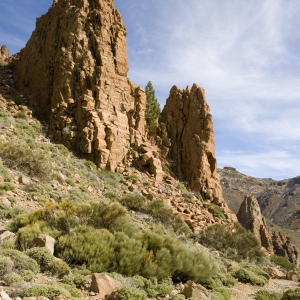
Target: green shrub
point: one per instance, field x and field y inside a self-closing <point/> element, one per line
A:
<point x="127" y="293"/>
<point x="134" y="202"/>
<point x="189" y="198"/>
<point x="256" y="269"/>
<point x="221" y="294"/>
<point x="247" y="276"/>
<point x="52" y="290"/>
<point x="134" y="178"/>
<point x="233" y="241"/>
<point x="58" y="267"/>
<point x="86" y="245"/>
<point x="42" y="256"/>
<point x="4" y="172"/>
<point x="20" y="260"/>
<point x="12" y="278"/>
<point x="5" y="187"/>
<point x="26" y="236"/>
<point x="179" y="297"/>
<point x="220" y="280"/>
<point x="5" y="211"/>
<point x="267" y="295"/>
<point x="31" y="161"/>
<point x="216" y="211"/>
<point x="291" y="294"/>
<point x="282" y="262"/>
<point x="75" y="278"/>
<point x="27" y="275"/>
<point x="6" y="265"/>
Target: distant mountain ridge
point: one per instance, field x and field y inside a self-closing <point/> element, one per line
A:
<point x="279" y="200"/>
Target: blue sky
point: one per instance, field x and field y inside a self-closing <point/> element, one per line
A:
<point x="245" y="54"/>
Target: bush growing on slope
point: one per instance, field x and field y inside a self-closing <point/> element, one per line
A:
<point x="234" y="242"/>
<point x="291" y="294"/>
<point x="267" y="295"/>
<point x="148" y="254"/>
<point x="282" y="262"/>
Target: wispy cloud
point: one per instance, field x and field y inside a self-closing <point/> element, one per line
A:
<point x="245" y="56"/>
<point x="281" y="164"/>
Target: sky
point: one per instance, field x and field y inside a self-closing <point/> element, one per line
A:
<point x="245" y="54"/>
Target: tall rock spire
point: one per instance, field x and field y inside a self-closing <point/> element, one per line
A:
<point x="76" y="64"/>
<point x="187" y="141"/>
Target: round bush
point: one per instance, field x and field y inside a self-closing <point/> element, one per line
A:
<point x="291" y="294"/>
<point x="127" y="293"/>
<point x="20" y="260"/>
<point x="12" y="278"/>
<point x="267" y="295"/>
<point x="42" y="256"/>
<point x="58" y="267"/>
<point x="247" y="276"/>
<point x="27" y="275"/>
<point x="6" y="265"/>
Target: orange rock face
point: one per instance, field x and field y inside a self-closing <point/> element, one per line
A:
<point x="75" y="64"/>
<point x="187" y="140"/>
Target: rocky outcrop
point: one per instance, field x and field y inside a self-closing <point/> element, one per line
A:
<point x="75" y="64"/>
<point x="4" y="54"/>
<point x="186" y="138"/>
<point x="103" y="285"/>
<point x="251" y="218"/>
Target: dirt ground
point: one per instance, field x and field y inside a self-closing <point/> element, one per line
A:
<point x="246" y="291"/>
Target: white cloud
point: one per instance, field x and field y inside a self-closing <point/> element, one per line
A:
<point x="245" y="56"/>
<point x="281" y="163"/>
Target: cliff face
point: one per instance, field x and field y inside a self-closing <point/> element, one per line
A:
<point x="251" y="218"/>
<point x="76" y="64"/>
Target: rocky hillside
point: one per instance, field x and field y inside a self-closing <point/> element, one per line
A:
<point x="279" y="201"/>
<point x="93" y="207"/>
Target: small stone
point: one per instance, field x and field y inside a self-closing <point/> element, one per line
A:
<point x="24" y="180"/>
<point x="4" y="296"/>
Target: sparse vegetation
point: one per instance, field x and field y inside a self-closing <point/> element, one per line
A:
<point x="282" y="262"/>
<point x="233" y="241"/>
<point x="267" y="295"/>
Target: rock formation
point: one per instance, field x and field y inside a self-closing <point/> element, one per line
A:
<point x="251" y="218"/>
<point x="76" y="63"/>
<point x="4" y="54"/>
<point x="186" y="138"/>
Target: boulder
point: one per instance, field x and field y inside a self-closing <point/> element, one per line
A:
<point x="293" y="275"/>
<point x="6" y="236"/>
<point x="46" y="241"/>
<point x="24" y="180"/>
<point x="103" y="284"/>
<point x="4" y="296"/>
<point x="195" y="291"/>
<point x="274" y="272"/>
